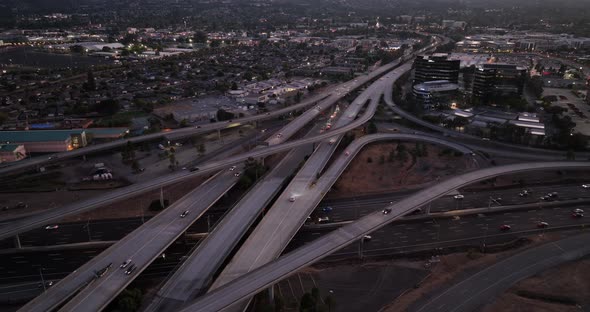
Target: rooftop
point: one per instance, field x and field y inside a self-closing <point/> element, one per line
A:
<point x="8" y="147"/>
<point x="37" y="135"/>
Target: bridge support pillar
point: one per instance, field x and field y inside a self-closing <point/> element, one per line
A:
<point x="17" y="242"/>
<point x="271" y="293"/>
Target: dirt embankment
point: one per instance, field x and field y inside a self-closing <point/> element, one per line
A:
<point x="561" y="289"/>
<point x="387" y="167"/>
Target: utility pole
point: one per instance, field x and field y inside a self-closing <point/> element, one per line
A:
<point x="208" y="223"/>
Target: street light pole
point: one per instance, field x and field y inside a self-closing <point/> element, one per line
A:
<point x="42" y="279"/>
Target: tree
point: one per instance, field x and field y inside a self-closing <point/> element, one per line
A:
<point x="107" y="107"/>
<point x="279" y="303"/>
<point x="224" y="115"/>
<point x="330" y="303"/>
<point x="90" y="84"/>
<point x="234" y="86"/>
<point x="307" y="303"/>
<point x="201" y="149"/>
<point x="200" y="37"/>
<point x="371" y="128"/>
<point x="3" y="117"/>
<point x="129" y="300"/>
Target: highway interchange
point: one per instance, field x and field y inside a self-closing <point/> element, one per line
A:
<point x="102" y="292"/>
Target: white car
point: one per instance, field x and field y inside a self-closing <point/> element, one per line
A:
<point x="292" y="199"/>
<point x="367" y="238"/>
<point x="459" y="196"/>
<point x="237" y="174"/>
<point x="52" y="227"/>
<point x="586" y="186"/>
<point x="323" y="220"/>
<point x="232" y="168"/>
<point x="184" y="214"/>
<point x="125" y="264"/>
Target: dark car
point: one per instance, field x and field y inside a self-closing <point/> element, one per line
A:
<point x="505" y="227"/>
<point x="194" y="169"/>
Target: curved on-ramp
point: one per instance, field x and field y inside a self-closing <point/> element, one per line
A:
<point x="269" y="274"/>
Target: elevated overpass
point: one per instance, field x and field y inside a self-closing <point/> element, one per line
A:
<point x="263" y="277"/>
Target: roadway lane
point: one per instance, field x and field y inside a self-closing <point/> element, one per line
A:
<point x="143" y="245"/>
<point x="483" y="287"/>
<point x="407" y="235"/>
<point x="257" y="280"/>
<point x="354" y="207"/>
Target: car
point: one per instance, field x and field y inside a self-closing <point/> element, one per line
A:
<point x="183" y="168"/>
<point x="505" y="227"/>
<point x="327" y="209"/>
<point x="552" y="195"/>
<point x="130" y="269"/>
<point x="237" y="174"/>
<point x="458" y="196"/>
<point x="279" y="135"/>
<point x="417" y="211"/>
<point x="542" y="224"/>
<point x="545" y="198"/>
<point x="521" y="194"/>
<point x="267" y="114"/>
<point x="577" y="215"/>
<point x="367" y="238"/>
<point x="178" y="144"/>
<point x="323" y="220"/>
<point x="319" y="108"/>
<point x="386" y="211"/>
<point x="194" y="169"/>
<point x="332" y="141"/>
<point x="347" y="153"/>
<point x="198" y="127"/>
<point x="21" y="205"/>
<point x="351" y="116"/>
<point x="578" y="210"/>
<point x="52" y="227"/>
<point x="292" y="198"/>
<point x="184" y="214"/>
<point x="51" y="157"/>
<point x="232" y="168"/>
<point x="125" y="264"/>
<point x="586" y="186"/>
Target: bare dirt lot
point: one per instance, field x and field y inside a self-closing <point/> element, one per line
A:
<point x="380" y="168"/>
<point x="564" y="288"/>
<point x="354" y="287"/>
<point x="453" y="267"/>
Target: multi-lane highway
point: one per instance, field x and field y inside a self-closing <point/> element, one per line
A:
<point x="257" y="280"/>
<point x="196" y="273"/>
<point x="142" y="246"/>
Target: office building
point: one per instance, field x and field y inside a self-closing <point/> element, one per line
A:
<point x="497" y="80"/>
<point x="436" y="94"/>
<point x="436" y="67"/>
